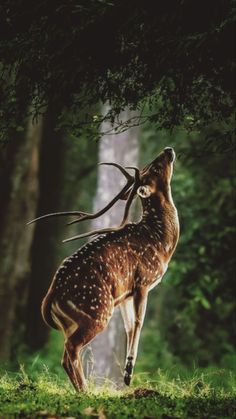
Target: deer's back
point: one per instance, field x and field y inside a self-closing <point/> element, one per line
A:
<point x="106" y="268"/>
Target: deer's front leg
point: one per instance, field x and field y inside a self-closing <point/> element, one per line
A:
<point x="139" y="307"/>
<point x="127" y="312"/>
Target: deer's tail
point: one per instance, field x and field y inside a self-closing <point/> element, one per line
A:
<point x="46" y="310"/>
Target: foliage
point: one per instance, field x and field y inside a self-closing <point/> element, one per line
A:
<point x="196" y="304"/>
<point x="179" y="59"/>
<point x="177" y="69"/>
<point x="45" y="395"/>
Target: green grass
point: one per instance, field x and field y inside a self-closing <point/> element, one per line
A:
<point x="42" y="390"/>
<point x="44" y="394"/>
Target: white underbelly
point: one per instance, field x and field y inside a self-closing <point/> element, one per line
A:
<point x="158" y="280"/>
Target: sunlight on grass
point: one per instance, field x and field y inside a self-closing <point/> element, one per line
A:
<point x="170" y="392"/>
<point x="195" y="382"/>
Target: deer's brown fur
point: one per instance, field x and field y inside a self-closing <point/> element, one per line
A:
<point x="115" y="268"/>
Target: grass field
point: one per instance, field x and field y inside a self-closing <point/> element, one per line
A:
<point x="45" y="395"/>
<point x="39" y="388"/>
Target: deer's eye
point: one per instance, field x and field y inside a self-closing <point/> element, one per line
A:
<point x="157" y="169"/>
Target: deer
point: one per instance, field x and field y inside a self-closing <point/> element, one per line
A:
<point x="117" y="267"/>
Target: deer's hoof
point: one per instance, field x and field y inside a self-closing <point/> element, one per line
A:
<point x="129" y="367"/>
<point x="128" y="371"/>
<point x="127" y="379"/>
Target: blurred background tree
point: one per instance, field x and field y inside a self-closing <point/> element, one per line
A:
<point x="59" y="61"/>
<point x="109" y="347"/>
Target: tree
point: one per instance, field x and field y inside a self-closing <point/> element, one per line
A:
<point x="109" y="347"/>
<point x="45" y="244"/>
<point x="174" y="55"/>
<point x="65" y="164"/>
<point x="19" y="194"/>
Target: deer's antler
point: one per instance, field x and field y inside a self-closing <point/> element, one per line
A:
<point x="130" y="181"/>
<point x="131" y="195"/>
<point x="121" y="168"/>
<point x="126" y="212"/>
<point x="57" y="214"/>
<point x="82" y="216"/>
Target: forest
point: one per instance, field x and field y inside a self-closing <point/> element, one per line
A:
<point x="86" y="82"/>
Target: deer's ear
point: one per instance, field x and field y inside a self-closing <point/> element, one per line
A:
<point x="144" y="191"/>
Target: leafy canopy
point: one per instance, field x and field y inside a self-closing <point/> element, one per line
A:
<point x="176" y="55"/>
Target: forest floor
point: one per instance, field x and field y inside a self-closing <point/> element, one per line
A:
<point x="46" y="395"/>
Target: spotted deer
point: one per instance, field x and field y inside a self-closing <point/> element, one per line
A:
<point x="119" y="266"/>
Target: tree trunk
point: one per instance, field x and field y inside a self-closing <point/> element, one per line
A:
<point x="19" y="192"/>
<point x="45" y="252"/>
<point x="109" y="347"/>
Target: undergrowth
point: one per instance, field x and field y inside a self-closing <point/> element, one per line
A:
<point x="39" y="388"/>
<point x="43" y="394"/>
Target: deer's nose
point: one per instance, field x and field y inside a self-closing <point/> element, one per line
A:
<point x="170" y="153"/>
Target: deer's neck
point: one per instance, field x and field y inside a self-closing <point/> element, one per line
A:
<point x="160" y="217"/>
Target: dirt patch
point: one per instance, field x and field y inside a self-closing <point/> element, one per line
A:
<point x="139" y="393"/>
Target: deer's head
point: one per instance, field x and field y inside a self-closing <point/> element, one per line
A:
<point x="155" y="178"/>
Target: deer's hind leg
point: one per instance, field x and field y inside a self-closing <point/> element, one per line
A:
<point x="73" y="365"/>
<point x="85" y="332"/>
<point x="79" y="329"/>
<point x="75" y="327"/>
<point x="66" y="364"/>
